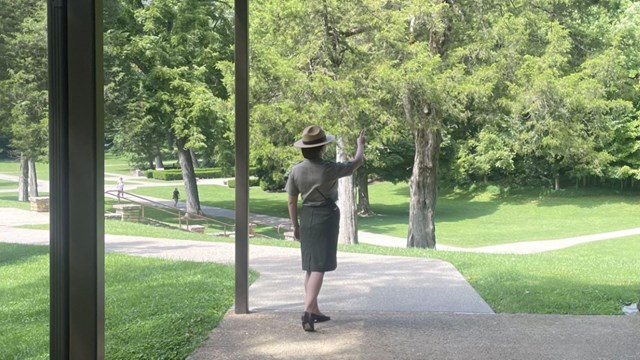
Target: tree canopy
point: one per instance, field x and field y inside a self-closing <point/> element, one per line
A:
<point x="542" y="92"/>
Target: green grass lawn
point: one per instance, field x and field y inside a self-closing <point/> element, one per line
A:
<point x="494" y="216"/>
<point x="10" y="200"/>
<point x="261" y="202"/>
<point x="472" y="218"/>
<point x="213" y="225"/>
<point x="8" y="185"/>
<point x="116" y="165"/>
<point x="12" y="167"/>
<point x="112" y="164"/>
<point x="154" y="309"/>
<point x="595" y="278"/>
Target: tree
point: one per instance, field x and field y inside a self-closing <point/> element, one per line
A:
<point x="308" y="61"/>
<point x="416" y="41"/>
<point x="164" y="59"/>
<point x="12" y="15"/>
<point x="26" y="94"/>
<point x="569" y="88"/>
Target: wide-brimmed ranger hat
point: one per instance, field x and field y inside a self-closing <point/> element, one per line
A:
<point x="313" y="136"/>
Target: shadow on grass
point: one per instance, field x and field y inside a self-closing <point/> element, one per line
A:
<point x="543" y="196"/>
<point x="15" y="253"/>
<point x="461" y="204"/>
<point x="390" y="202"/>
<point x="256" y="206"/>
<point x="12" y="196"/>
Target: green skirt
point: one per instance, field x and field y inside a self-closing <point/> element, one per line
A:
<point x="319" y="227"/>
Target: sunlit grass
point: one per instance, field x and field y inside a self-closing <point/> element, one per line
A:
<point x="10" y="200"/>
<point x="154" y="309"/>
<point x="8" y="185"/>
<point x="594" y="278"/>
<point x="261" y="202"/>
<point x="12" y="167"/>
<point x="470" y="218"/>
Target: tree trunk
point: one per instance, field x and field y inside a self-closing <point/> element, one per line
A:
<point x="23" y="179"/>
<point x="423" y="188"/>
<point x="33" y="179"/>
<point x="346" y="201"/>
<point x="189" y="179"/>
<point x="194" y="159"/>
<point x="556" y="180"/>
<point x="362" y="179"/>
<point x="159" y="163"/>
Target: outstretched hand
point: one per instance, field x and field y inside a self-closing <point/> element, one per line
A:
<point x="362" y="138"/>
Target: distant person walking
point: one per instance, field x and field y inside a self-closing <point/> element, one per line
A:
<point x="120" y="188"/>
<point x="176" y="197"/>
<point x="316" y="181"/>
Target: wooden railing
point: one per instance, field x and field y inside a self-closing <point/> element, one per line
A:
<point x="180" y="215"/>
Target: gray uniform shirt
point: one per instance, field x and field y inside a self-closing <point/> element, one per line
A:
<point x="308" y="175"/>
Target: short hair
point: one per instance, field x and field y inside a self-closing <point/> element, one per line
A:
<point x="313" y="152"/>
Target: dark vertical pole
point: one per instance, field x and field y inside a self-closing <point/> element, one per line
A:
<point x="58" y="168"/>
<point x="76" y="168"/>
<point x="242" y="155"/>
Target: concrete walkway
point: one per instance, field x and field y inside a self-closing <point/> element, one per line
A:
<point x="383" y="283"/>
<point x="381" y="307"/>
<point x="527" y="247"/>
<point x="524" y="247"/>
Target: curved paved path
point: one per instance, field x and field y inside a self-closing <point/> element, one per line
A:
<point x="382" y="308"/>
<point x="380" y="283"/>
<point x="524" y="247"/>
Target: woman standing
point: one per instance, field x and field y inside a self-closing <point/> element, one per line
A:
<point x="120" y="188"/>
<point x="316" y="181"/>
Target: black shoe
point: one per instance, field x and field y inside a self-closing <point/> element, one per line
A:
<point x="307" y="322"/>
<point x="319" y="318"/>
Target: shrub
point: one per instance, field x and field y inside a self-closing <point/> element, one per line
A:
<point x="167" y="175"/>
<point x="202" y="173"/>
<point x="176" y="174"/>
<point x="253" y="181"/>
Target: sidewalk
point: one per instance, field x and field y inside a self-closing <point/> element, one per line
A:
<point x="369" y="335"/>
<point x="377" y="313"/>
<point x="524" y="247"/>
<point x="527" y="247"/>
<point x="381" y="308"/>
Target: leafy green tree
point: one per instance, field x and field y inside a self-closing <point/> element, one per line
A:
<point x="308" y="66"/>
<point x="617" y="69"/>
<point x="12" y="15"/>
<point x="26" y="95"/>
<point x="163" y="81"/>
<point x="417" y="40"/>
<point x="570" y="88"/>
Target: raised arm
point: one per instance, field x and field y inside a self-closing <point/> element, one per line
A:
<point x="359" y="157"/>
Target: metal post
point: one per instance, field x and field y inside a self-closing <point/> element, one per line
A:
<point x="242" y="155"/>
<point x="76" y="131"/>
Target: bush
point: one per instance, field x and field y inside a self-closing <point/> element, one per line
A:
<point x="201" y="173"/>
<point x="176" y="174"/>
<point x="166" y="175"/>
<point x="253" y="181"/>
